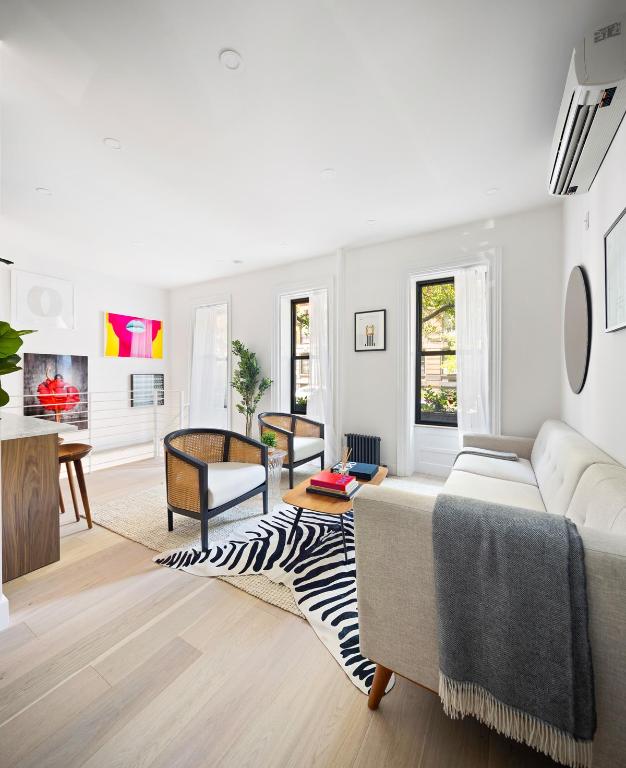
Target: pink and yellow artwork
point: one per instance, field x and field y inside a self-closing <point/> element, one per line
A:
<point x="130" y="336"/>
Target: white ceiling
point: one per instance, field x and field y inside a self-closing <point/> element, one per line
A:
<point x="419" y="106"/>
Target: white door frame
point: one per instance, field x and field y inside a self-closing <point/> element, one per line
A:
<point x="406" y="340"/>
<point x="210" y="302"/>
<point x="296" y="290"/>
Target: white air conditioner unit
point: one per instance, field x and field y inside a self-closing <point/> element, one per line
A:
<point x="593" y="106"/>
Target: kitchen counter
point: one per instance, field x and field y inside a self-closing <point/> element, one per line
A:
<point x="14" y="426"/>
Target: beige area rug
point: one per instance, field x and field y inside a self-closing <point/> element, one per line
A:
<point x="142" y="517"/>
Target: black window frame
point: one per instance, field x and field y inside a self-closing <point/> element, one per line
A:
<point x="294" y="358"/>
<point x="419" y="353"/>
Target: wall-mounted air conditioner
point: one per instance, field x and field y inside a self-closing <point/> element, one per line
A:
<point x="593" y="106"/>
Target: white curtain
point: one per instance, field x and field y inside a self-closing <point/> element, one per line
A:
<point x="472" y="356"/>
<point x="208" y="396"/>
<point x="320" y="399"/>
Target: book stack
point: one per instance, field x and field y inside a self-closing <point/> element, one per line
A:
<point x="358" y="469"/>
<point x="331" y="484"/>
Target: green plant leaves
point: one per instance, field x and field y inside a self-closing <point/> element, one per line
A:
<point x="269" y="438"/>
<point x="9" y="364"/>
<point x="10" y="342"/>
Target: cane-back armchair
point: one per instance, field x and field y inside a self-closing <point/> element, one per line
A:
<point x="211" y="470"/>
<point x="302" y="439"/>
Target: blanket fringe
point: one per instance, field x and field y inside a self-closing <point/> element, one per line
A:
<point x="463" y="698"/>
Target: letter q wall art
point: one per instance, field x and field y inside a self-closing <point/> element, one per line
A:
<point x="130" y="336"/>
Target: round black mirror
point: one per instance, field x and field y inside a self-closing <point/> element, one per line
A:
<point x="577" y="329"/>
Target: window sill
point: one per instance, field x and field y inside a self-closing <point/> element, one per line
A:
<point x="436" y="426"/>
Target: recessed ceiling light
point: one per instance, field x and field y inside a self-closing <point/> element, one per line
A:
<point x="230" y="58"/>
<point x="237" y="261"/>
<point x="466" y="233"/>
<point x="371" y="221"/>
<point x="493" y="191"/>
<point x="137" y="243"/>
<point x="489" y="224"/>
<point x="43" y="190"/>
<point x="112" y="143"/>
<point x="328" y="173"/>
<point x="484" y="243"/>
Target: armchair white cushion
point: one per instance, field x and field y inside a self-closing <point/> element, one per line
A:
<point x="227" y="480"/>
<point x="303" y="447"/>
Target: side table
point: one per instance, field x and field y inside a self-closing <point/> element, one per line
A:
<point x="274" y="471"/>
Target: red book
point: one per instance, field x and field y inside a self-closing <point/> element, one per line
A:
<point x="331" y="480"/>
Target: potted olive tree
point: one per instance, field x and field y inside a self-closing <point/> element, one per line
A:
<point x="248" y="382"/>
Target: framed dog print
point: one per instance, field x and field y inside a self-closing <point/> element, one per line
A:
<point x="370" y="332"/>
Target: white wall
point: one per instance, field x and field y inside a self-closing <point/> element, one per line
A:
<point x="372" y="278"/>
<point x="530" y="246"/>
<point x="95" y="294"/>
<point x="598" y="411"/>
<point x="253" y="312"/>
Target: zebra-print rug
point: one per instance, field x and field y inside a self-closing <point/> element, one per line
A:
<point x="312" y="566"/>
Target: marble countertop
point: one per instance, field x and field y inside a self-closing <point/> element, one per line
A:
<point x="14" y="426"/>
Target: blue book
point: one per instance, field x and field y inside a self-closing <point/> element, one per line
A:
<point x="358" y="469"/>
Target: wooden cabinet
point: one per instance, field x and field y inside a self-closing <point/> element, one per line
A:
<point x="30" y="504"/>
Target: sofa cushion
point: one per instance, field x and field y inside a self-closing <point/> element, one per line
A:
<point x="229" y="479"/>
<point x="303" y="447"/>
<point x="559" y="458"/>
<point x="494" y="489"/>
<point x="600" y="499"/>
<point x="519" y="471"/>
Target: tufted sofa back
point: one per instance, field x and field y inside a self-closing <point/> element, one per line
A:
<point x="600" y="499"/>
<point x="560" y="456"/>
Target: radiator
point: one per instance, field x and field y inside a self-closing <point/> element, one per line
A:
<point x="365" y="448"/>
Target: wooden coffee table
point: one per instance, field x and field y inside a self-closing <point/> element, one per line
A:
<point x="324" y="505"/>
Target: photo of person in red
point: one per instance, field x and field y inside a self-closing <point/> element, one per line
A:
<point x="56" y="387"/>
<point x="56" y="395"/>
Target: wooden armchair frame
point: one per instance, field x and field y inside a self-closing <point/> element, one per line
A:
<point x="287" y="426"/>
<point x="187" y="453"/>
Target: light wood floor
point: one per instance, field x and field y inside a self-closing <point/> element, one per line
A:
<point x="113" y="661"/>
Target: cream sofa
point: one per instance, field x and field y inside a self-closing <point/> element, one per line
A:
<point x="559" y="472"/>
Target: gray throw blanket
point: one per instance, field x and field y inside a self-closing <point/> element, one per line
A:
<point x="513" y="641"/>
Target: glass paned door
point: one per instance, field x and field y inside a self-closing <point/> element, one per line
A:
<point x="209" y="393"/>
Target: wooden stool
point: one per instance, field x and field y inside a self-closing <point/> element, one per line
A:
<point x="73" y="453"/>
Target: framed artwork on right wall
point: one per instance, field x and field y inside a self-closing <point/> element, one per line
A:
<point x="370" y="332"/>
<point x="615" y="275"/>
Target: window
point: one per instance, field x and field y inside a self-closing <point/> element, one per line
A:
<point x="300" y="347"/>
<point x="435" y="386"/>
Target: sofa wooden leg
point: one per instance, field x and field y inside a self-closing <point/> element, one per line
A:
<point x="381" y="678"/>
